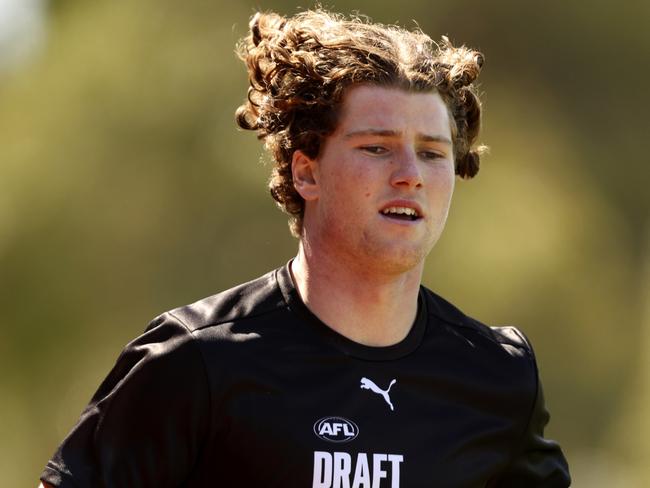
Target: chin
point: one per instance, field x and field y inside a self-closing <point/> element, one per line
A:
<point x="398" y="259"/>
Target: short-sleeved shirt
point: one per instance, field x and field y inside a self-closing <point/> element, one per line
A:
<point x="249" y="388"/>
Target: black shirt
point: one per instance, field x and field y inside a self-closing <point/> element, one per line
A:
<point x="249" y="388"/>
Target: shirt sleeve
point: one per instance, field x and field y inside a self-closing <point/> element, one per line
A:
<point x="537" y="462"/>
<point x="146" y="423"/>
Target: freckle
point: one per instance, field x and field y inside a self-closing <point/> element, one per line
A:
<point x="367" y="195"/>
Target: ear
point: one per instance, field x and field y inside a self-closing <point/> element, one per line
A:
<point x="304" y="171"/>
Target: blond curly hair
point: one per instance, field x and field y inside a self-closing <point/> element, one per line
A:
<point x="300" y="67"/>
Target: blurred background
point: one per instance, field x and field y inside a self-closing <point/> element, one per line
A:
<point x="126" y="190"/>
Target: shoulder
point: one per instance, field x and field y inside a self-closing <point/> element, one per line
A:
<point x="196" y="340"/>
<point x="506" y="342"/>
<point x="252" y="299"/>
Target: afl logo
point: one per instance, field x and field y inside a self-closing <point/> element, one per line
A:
<point x="336" y="429"/>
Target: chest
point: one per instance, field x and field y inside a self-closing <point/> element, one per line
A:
<point x="311" y="418"/>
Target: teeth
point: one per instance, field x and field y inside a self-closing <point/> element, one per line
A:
<point x="400" y="210"/>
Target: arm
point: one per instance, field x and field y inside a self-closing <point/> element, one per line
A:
<point x="537" y="462"/>
<point x="154" y="405"/>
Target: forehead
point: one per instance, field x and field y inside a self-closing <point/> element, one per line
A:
<point x="387" y="108"/>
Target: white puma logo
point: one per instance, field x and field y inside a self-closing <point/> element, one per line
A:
<point x="367" y="384"/>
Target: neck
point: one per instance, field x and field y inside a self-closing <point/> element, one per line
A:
<point x="369" y="306"/>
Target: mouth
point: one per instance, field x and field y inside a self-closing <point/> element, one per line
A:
<point x="401" y="213"/>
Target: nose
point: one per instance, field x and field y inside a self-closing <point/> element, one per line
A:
<point x="406" y="172"/>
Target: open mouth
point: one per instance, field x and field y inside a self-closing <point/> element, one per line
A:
<point x="401" y="213"/>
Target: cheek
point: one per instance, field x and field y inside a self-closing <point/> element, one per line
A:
<point x="443" y="179"/>
<point x="451" y="183"/>
<point x="442" y="190"/>
<point x="356" y="185"/>
<point x="448" y="188"/>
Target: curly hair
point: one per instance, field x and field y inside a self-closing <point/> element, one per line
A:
<point x="300" y="67"/>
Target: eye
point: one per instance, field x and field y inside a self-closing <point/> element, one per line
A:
<point x="376" y="150"/>
<point x="431" y="155"/>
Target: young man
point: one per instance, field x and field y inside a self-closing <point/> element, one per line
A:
<point x="338" y="369"/>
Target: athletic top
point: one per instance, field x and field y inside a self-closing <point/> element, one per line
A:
<point x="249" y="388"/>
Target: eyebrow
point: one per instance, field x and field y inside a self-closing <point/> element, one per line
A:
<point x="394" y="133"/>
